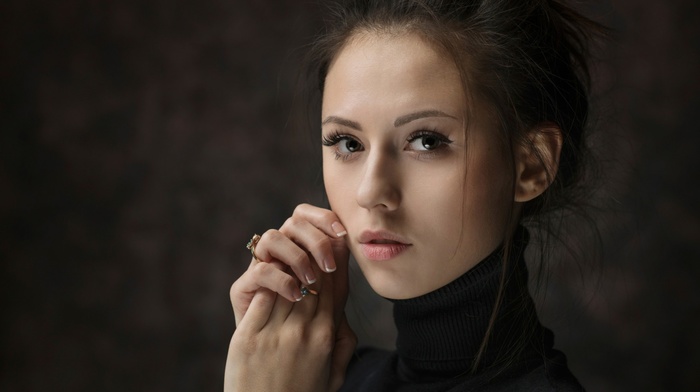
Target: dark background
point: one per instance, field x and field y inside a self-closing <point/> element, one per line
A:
<point x="142" y="143"/>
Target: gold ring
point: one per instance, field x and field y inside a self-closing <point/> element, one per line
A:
<point x="306" y="291"/>
<point x="251" y="246"/>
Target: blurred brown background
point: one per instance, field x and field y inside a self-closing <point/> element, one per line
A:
<point x="143" y="143"/>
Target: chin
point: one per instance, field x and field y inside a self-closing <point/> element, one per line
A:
<point x="388" y="284"/>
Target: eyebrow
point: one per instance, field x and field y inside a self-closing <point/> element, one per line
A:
<point x="403" y="120"/>
<point x="342" y="121"/>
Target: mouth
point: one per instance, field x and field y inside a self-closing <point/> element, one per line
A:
<point x="384" y="242"/>
<point x="382" y="237"/>
<point x="382" y="245"/>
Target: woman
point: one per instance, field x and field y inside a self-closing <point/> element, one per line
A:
<point x="444" y="125"/>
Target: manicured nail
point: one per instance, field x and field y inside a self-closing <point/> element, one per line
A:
<point x="298" y="293"/>
<point x="339" y="230"/>
<point x="310" y="279"/>
<point x="329" y="264"/>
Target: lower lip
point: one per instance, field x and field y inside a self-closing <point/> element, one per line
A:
<point x="379" y="252"/>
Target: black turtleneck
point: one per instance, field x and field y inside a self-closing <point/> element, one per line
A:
<point x="441" y="333"/>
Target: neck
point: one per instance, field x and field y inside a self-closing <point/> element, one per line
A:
<point x="442" y="333"/>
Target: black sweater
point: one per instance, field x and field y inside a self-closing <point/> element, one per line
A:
<point x="440" y="333"/>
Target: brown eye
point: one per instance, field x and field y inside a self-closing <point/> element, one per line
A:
<point x="349" y="145"/>
<point x="427" y="141"/>
<point x="430" y="142"/>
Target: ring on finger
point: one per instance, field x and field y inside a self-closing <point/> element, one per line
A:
<point x="251" y="246"/>
<point x="307" y="291"/>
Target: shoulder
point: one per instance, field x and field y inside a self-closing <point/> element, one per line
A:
<point x="551" y="375"/>
<point x="374" y="370"/>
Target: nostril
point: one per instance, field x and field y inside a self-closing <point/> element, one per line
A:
<point x="379" y="187"/>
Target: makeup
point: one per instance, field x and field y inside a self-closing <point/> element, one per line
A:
<point x="382" y="245"/>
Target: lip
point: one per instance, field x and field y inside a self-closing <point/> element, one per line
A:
<point x="368" y="236"/>
<point x="390" y="245"/>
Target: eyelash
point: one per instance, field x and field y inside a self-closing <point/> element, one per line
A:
<point x="336" y="137"/>
<point x="333" y="139"/>
<point x="443" y="141"/>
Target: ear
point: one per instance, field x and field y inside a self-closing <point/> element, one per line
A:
<point x="537" y="161"/>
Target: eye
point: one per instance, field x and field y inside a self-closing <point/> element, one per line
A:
<point x="344" y="146"/>
<point x="348" y="145"/>
<point x="427" y="141"/>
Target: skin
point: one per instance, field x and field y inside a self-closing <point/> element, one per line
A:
<point x="394" y="161"/>
<point x="396" y="183"/>
<point x="276" y="326"/>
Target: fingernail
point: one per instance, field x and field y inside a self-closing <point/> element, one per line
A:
<point x="298" y="296"/>
<point x="339" y="229"/>
<point x="329" y="264"/>
<point x="310" y="279"/>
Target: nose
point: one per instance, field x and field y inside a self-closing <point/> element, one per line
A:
<point x="380" y="184"/>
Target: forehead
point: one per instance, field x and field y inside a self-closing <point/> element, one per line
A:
<point x="386" y="68"/>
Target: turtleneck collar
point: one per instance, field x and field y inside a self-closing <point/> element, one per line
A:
<point x="440" y="333"/>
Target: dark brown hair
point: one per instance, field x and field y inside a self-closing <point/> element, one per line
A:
<point x="525" y="59"/>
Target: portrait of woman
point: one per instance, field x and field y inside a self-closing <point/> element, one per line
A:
<point x="444" y="126"/>
<point x="349" y="195"/>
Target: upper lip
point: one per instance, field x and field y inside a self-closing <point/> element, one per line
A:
<point x="369" y="236"/>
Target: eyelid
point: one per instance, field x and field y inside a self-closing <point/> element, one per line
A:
<point x="335" y="137"/>
<point x="426" y="132"/>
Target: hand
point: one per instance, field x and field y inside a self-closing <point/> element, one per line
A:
<point x="310" y="231"/>
<point x="281" y="343"/>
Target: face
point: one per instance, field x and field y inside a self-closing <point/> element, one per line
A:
<point x="422" y="199"/>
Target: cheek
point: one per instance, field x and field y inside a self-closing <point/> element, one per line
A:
<point x="338" y="186"/>
<point x="474" y="205"/>
<point x="488" y="197"/>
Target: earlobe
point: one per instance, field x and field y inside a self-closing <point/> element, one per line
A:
<point x="537" y="161"/>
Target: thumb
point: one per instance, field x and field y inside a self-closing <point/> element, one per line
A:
<point x="345" y="342"/>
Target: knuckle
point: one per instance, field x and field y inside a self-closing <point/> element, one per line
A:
<point x="287" y="282"/>
<point x="299" y="259"/>
<point x="315" y="340"/>
<point x="324" y="339"/>
<point x="232" y="291"/>
<point x="267" y="299"/>
<point x="271" y="235"/>
<point x="276" y="279"/>
<point x="235" y="289"/>
<point x="322" y="243"/>
<point x="294" y="334"/>
<point x="328" y="216"/>
<point x="260" y="269"/>
<point x="300" y="209"/>
<point x="289" y="223"/>
<point x="247" y="344"/>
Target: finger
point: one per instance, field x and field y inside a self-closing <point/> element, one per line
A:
<point x="324" y="219"/>
<point x="327" y="222"/>
<point x="280" y="312"/>
<point x="305" y="310"/>
<point x="343" y="350"/>
<point x="326" y="300"/>
<point x="274" y="245"/>
<point x="313" y="240"/>
<point x="340" y="279"/>
<point x="258" y="312"/>
<point x="262" y="275"/>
